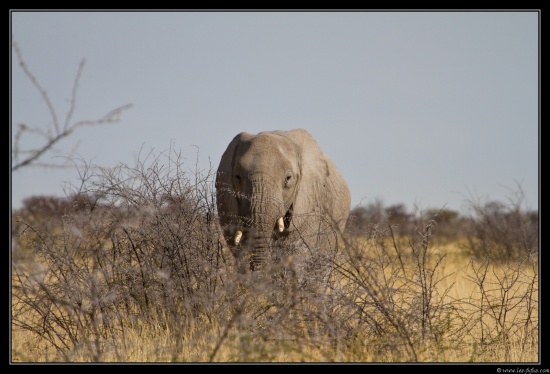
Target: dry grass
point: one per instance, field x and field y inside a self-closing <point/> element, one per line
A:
<point x="149" y="342"/>
<point x="134" y="270"/>
<point x="503" y="281"/>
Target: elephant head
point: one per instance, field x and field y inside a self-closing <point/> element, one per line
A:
<point x="273" y="184"/>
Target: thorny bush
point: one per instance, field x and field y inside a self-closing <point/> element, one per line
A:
<point x="138" y="250"/>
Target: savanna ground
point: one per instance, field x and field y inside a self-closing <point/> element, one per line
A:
<point x="131" y="267"/>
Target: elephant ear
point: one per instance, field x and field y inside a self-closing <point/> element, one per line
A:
<point x="225" y="192"/>
<point x="313" y="172"/>
<point x="322" y="190"/>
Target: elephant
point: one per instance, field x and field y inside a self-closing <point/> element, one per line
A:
<point x="278" y="187"/>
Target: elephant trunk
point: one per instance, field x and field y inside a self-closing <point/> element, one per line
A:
<point x="261" y="217"/>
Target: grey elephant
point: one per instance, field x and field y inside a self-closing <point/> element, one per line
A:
<point x="278" y="187"/>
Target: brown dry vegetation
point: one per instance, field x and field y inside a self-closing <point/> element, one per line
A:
<point x="132" y="268"/>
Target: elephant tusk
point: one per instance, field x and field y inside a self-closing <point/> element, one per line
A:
<point x="238" y="236"/>
<point x="281" y="224"/>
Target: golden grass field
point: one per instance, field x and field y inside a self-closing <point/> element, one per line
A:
<point x="222" y="342"/>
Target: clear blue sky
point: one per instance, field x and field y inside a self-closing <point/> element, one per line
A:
<point x="425" y="108"/>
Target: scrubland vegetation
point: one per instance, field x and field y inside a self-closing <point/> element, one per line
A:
<point x="131" y="267"/>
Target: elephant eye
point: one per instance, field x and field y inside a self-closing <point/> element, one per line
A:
<point x="237" y="184"/>
<point x="288" y="178"/>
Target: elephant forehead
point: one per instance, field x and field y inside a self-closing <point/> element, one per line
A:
<point x="268" y="151"/>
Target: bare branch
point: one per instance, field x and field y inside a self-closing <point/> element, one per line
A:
<point x="51" y="138"/>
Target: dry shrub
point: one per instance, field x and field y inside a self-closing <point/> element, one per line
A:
<point x="132" y="267"/>
<point x="392" y="288"/>
<point x="502" y="231"/>
<point x="142" y="247"/>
